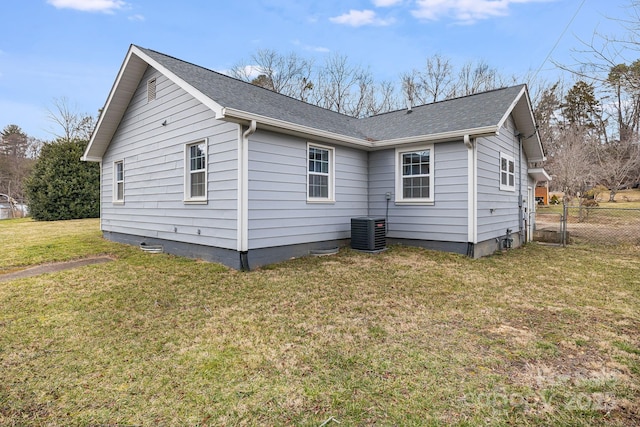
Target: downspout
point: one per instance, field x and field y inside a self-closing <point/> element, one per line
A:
<point x="520" y="206"/>
<point x="243" y="196"/>
<point x="472" y="197"/>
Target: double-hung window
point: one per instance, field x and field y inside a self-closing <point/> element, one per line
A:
<point x="320" y="173"/>
<point x="507" y="173"/>
<point x="118" y="181"/>
<point x="414" y="175"/>
<point x="195" y="180"/>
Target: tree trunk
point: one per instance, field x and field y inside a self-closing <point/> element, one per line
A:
<point x="612" y="195"/>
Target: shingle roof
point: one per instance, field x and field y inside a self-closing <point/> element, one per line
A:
<point x="233" y="93"/>
<point x="469" y="112"/>
<point x="474" y="115"/>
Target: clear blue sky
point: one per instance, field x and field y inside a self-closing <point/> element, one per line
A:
<point x="74" y="48"/>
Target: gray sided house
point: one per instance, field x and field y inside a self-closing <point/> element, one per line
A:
<point x="219" y="169"/>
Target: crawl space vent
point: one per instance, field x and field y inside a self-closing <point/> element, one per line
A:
<point x="151" y="90"/>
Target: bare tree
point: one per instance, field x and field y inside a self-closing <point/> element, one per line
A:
<point x="343" y="87"/>
<point x="437" y="79"/>
<point x="623" y="82"/>
<point x="73" y="125"/>
<point x="617" y="165"/>
<point x="286" y="74"/>
<point x="411" y="87"/>
<point x="476" y="77"/>
<point x="571" y="162"/>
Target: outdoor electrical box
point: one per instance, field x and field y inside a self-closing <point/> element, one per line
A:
<point x="368" y="234"/>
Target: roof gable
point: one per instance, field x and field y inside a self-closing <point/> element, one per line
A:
<point x="235" y="100"/>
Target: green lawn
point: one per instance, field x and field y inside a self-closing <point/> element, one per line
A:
<point x="534" y="336"/>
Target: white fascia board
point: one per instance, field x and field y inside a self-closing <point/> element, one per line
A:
<point x="214" y="106"/>
<point x="523" y="96"/>
<point x="437" y="137"/>
<point x="511" y="107"/>
<point x="86" y="158"/>
<point x="231" y="113"/>
<point x="106" y="108"/>
<point x="539" y="174"/>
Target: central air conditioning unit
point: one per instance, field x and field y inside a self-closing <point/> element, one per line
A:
<point x="368" y="234"/>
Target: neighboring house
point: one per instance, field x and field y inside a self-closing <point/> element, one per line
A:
<point x="219" y="169"/>
<point x="542" y="193"/>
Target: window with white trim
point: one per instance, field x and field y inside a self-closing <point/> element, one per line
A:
<point x="195" y="180"/>
<point x="414" y="175"/>
<point x="507" y="173"/>
<point x="118" y="181"/>
<point x="320" y="173"/>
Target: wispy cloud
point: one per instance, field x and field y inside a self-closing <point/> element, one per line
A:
<point x="386" y="3"/>
<point x="464" y="11"/>
<point x="358" y="18"/>
<point x="104" y="6"/>
<point x="136" y="18"/>
<point x="319" y="49"/>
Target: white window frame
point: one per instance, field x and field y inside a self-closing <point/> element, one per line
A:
<point x="117" y="182"/>
<point x="400" y="199"/>
<point x="330" y="174"/>
<point x="188" y="198"/>
<point x="506" y="173"/>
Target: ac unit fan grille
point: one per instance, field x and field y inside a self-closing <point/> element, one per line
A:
<point x="368" y="234"/>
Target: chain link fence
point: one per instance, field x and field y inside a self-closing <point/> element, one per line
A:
<point x="581" y="224"/>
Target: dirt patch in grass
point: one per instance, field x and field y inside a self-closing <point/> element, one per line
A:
<point x="52" y="268"/>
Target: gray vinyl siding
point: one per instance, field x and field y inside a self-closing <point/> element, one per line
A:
<point x="153" y="157"/>
<point x="446" y="220"/>
<point x="498" y="209"/>
<point x="279" y="213"/>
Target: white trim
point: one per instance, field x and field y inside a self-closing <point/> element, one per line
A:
<point x="399" y="196"/>
<point x="472" y="191"/>
<point x="539" y="174"/>
<point x="214" y="106"/>
<point x="436" y="137"/>
<point x="512" y="107"/>
<point x="331" y="175"/>
<point x="106" y="110"/>
<point x="187" y="172"/>
<point x="114" y="189"/>
<point x="531" y="208"/>
<point x="242" y="235"/>
<point x="306" y="131"/>
<point x="508" y="158"/>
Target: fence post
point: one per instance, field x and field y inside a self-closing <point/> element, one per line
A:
<point x="563" y="222"/>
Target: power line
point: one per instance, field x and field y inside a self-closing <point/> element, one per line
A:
<point x="559" y="38"/>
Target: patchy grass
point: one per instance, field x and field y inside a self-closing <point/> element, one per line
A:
<point x="534" y="336"/>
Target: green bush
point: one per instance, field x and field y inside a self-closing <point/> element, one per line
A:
<point x="554" y="200"/>
<point x="62" y="186"/>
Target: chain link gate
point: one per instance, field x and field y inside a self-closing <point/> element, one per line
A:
<point x="588" y="224"/>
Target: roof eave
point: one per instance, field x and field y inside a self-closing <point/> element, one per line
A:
<point x="539" y="174"/>
<point x="522" y="111"/>
<point x="125" y="85"/>
<point x="270" y="123"/>
<point x="122" y="90"/>
<point x="437" y="137"/>
<point x="239" y="116"/>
